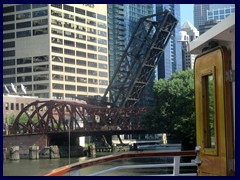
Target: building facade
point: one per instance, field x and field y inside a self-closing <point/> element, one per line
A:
<point x="171" y="60"/>
<point x="219" y="13"/>
<point x="200" y="14"/>
<point x="57" y="51"/>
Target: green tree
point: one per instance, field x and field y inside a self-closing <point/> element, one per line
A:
<point x="175" y="109"/>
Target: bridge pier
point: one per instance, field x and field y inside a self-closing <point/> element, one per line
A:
<point x="14" y="153"/>
<point x="34" y="152"/>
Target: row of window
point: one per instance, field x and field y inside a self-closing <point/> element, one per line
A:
<point x="80" y="28"/>
<point x="78" y="19"/>
<point x="79" y="53"/>
<point x="59" y="77"/>
<point x="80" y="11"/>
<point x="26" y="33"/>
<point x="27" y="15"/>
<point x="26" y="60"/>
<point x="79" y="45"/>
<point x="78" y="88"/>
<point x="79" y="71"/>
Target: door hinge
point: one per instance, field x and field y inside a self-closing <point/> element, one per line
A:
<point x="230" y="75"/>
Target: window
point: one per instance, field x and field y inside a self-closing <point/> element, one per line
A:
<point x="57" y="6"/>
<point x="81" y="63"/>
<point x="102" y="49"/>
<point x="91" y="39"/>
<point x="8" y="18"/>
<point x="81" y="71"/>
<point x="23" y="16"/>
<point x="39" y="5"/>
<point x="102" y="58"/>
<point x="22" y="34"/>
<point x="57" y="86"/>
<point x="57" y="96"/>
<point x="57" y="40"/>
<point x="102" y="25"/>
<point x="40" y="13"/>
<point x="90" y="22"/>
<point x="8" y="53"/>
<point x="57" y="77"/>
<point x="70" y="78"/>
<point x="69" y="43"/>
<point x="91" y="14"/>
<point x="92" y="56"/>
<point x="9" y="80"/>
<point x="57" y="59"/>
<point x="92" y="81"/>
<point x="80" y="11"/>
<point x="9" y="71"/>
<point x="80" y="28"/>
<point x="8" y="36"/>
<point x="93" y="89"/>
<point x="102" y="33"/>
<point x="91" y="30"/>
<point x="92" y="64"/>
<point x="24" y="25"/>
<point x="209" y="109"/>
<point x="102" y="66"/>
<point x="24" y="70"/>
<point x="27" y="60"/>
<point x="70" y="69"/>
<point x="9" y="62"/>
<point x="41" y="77"/>
<point x="103" y="82"/>
<point x="40" y="22"/>
<point x="23" y="7"/>
<point x="8" y="27"/>
<point x="57" y="31"/>
<point x="10" y="44"/>
<point x="24" y="79"/>
<point x="69" y="52"/>
<point x="57" y="68"/>
<point x="70" y="87"/>
<point x="101" y="17"/>
<point x="40" y="31"/>
<point x="92" y="73"/>
<point x="82" y="88"/>
<point x="38" y="59"/>
<point x="68" y="8"/>
<point x="81" y="20"/>
<point x="56" y="13"/>
<point x="68" y="34"/>
<point x="81" y="45"/>
<point x="81" y="80"/>
<point x="80" y="36"/>
<point x="69" y="60"/>
<point x="57" y="50"/>
<point x="103" y="74"/>
<point x="17" y="106"/>
<point x="68" y="16"/>
<point x="56" y="22"/>
<point x="81" y="54"/>
<point x="40" y="68"/>
<point x="8" y="9"/>
<point x="68" y="25"/>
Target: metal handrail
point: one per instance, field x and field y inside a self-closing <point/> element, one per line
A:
<point x="72" y="168"/>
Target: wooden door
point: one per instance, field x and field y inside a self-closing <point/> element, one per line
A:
<point x="213" y="113"/>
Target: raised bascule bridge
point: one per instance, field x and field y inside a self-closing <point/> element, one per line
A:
<point x="138" y="62"/>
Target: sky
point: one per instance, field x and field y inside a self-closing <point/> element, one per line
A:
<point x="186" y="11"/>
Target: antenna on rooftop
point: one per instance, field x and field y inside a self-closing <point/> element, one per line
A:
<point x="24" y="89"/>
<point x="13" y="88"/>
<point x="6" y="89"/>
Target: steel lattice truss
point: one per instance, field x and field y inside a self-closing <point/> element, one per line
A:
<point x="59" y="116"/>
<point x="140" y="59"/>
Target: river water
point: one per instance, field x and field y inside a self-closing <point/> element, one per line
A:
<point x="25" y="167"/>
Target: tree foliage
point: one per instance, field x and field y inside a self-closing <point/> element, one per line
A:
<point x="175" y="109"/>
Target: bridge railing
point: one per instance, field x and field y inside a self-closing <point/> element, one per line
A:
<point x="75" y="169"/>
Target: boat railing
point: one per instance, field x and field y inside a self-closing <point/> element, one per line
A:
<point x="75" y="168"/>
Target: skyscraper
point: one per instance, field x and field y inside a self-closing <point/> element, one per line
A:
<point x="200" y="14"/>
<point x="122" y="19"/>
<point x="56" y="50"/>
<point x="172" y="57"/>
<point x="192" y="33"/>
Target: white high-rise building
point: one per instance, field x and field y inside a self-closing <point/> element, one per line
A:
<point x="56" y="50"/>
<point x="191" y="34"/>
